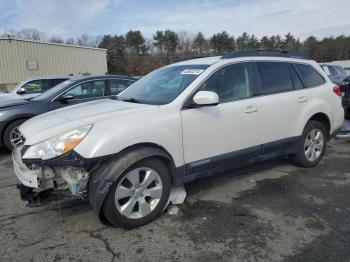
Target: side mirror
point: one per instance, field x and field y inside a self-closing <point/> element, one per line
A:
<point x="66" y="98"/>
<point x="21" y="91"/>
<point x="206" y="98"/>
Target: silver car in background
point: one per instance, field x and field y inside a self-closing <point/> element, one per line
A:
<point x="32" y="87"/>
<point x="335" y="73"/>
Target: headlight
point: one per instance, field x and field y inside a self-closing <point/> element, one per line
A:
<point x="57" y="145"/>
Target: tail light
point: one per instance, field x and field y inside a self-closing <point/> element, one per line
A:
<point x="337" y="90"/>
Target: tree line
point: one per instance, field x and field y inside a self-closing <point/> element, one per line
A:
<point x="133" y="54"/>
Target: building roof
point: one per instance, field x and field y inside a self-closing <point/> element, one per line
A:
<point x="50" y="43"/>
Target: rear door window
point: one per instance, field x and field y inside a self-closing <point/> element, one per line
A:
<point x="275" y="77"/>
<point x="310" y="76"/>
<point x="88" y="89"/>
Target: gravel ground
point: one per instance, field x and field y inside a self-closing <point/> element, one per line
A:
<point x="267" y="212"/>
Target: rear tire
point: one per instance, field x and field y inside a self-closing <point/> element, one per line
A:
<point x="132" y="202"/>
<point x="312" y="145"/>
<point x="10" y="139"/>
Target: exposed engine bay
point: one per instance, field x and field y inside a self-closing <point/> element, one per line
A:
<point x="55" y="184"/>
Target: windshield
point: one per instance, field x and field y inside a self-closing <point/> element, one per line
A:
<point x="163" y="85"/>
<point x="53" y="91"/>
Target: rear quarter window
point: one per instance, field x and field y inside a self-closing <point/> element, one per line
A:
<point x="310" y="76"/>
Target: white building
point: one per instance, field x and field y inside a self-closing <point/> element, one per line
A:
<point x="21" y="59"/>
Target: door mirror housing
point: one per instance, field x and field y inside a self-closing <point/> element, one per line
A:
<point x="21" y="91"/>
<point x="206" y="98"/>
<point x="66" y="98"/>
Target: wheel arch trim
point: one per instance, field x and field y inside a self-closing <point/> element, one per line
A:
<point x="105" y="173"/>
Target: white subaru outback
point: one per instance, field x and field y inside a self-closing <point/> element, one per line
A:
<point x="179" y="123"/>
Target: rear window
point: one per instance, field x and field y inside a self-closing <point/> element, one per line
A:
<point x="341" y="70"/>
<point x="329" y="70"/>
<point x="310" y="76"/>
<point x="275" y="77"/>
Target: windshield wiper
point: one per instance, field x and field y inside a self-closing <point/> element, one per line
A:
<point x="132" y="100"/>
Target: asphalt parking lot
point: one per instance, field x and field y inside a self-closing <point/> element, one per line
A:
<point x="267" y="212"/>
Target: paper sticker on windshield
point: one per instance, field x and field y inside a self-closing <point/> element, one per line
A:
<point x="192" y="72"/>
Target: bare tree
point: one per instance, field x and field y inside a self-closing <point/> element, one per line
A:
<point x="83" y="40"/>
<point x="56" y="39"/>
<point x="95" y="41"/>
<point x="152" y="50"/>
<point x="185" y="42"/>
<point x="30" y="34"/>
<point x="199" y="43"/>
<point x="70" y="41"/>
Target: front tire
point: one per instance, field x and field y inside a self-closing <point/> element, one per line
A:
<point x="12" y="137"/>
<point x="139" y="195"/>
<point x="312" y="145"/>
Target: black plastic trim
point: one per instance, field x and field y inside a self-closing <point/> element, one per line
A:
<point x="213" y="165"/>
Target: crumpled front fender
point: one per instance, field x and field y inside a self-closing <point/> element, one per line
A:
<point x="106" y="173"/>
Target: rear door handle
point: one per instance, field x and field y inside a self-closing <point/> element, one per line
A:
<point x="302" y="99"/>
<point x="251" y="109"/>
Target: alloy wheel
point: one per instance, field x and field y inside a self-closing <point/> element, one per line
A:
<point x="15" y="137"/>
<point x="138" y="193"/>
<point x="314" y="144"/>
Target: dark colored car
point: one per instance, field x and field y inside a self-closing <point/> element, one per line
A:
<point x="345" y="88"/>
<point x="73" y="91"/>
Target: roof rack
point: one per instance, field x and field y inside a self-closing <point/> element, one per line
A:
<point x="195" y="57"/>
<point x="265" y="52"/>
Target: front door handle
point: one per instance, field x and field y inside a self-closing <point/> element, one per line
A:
<point x="251" y="109"/>
<point x="302" y="99"/>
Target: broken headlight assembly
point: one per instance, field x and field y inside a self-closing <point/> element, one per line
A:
<point x="57" y="145"/>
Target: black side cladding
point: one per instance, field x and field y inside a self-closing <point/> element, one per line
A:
<point x="106" y="173"/>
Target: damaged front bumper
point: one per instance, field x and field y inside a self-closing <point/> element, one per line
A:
<point x="44" y="184"/>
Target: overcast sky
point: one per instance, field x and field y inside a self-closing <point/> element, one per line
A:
<point x="98" y="17"/>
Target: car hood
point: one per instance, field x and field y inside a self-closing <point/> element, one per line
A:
<point x="9" y="96"/>
<point x="63" y="120"/>
<point x="12" y="102"/>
